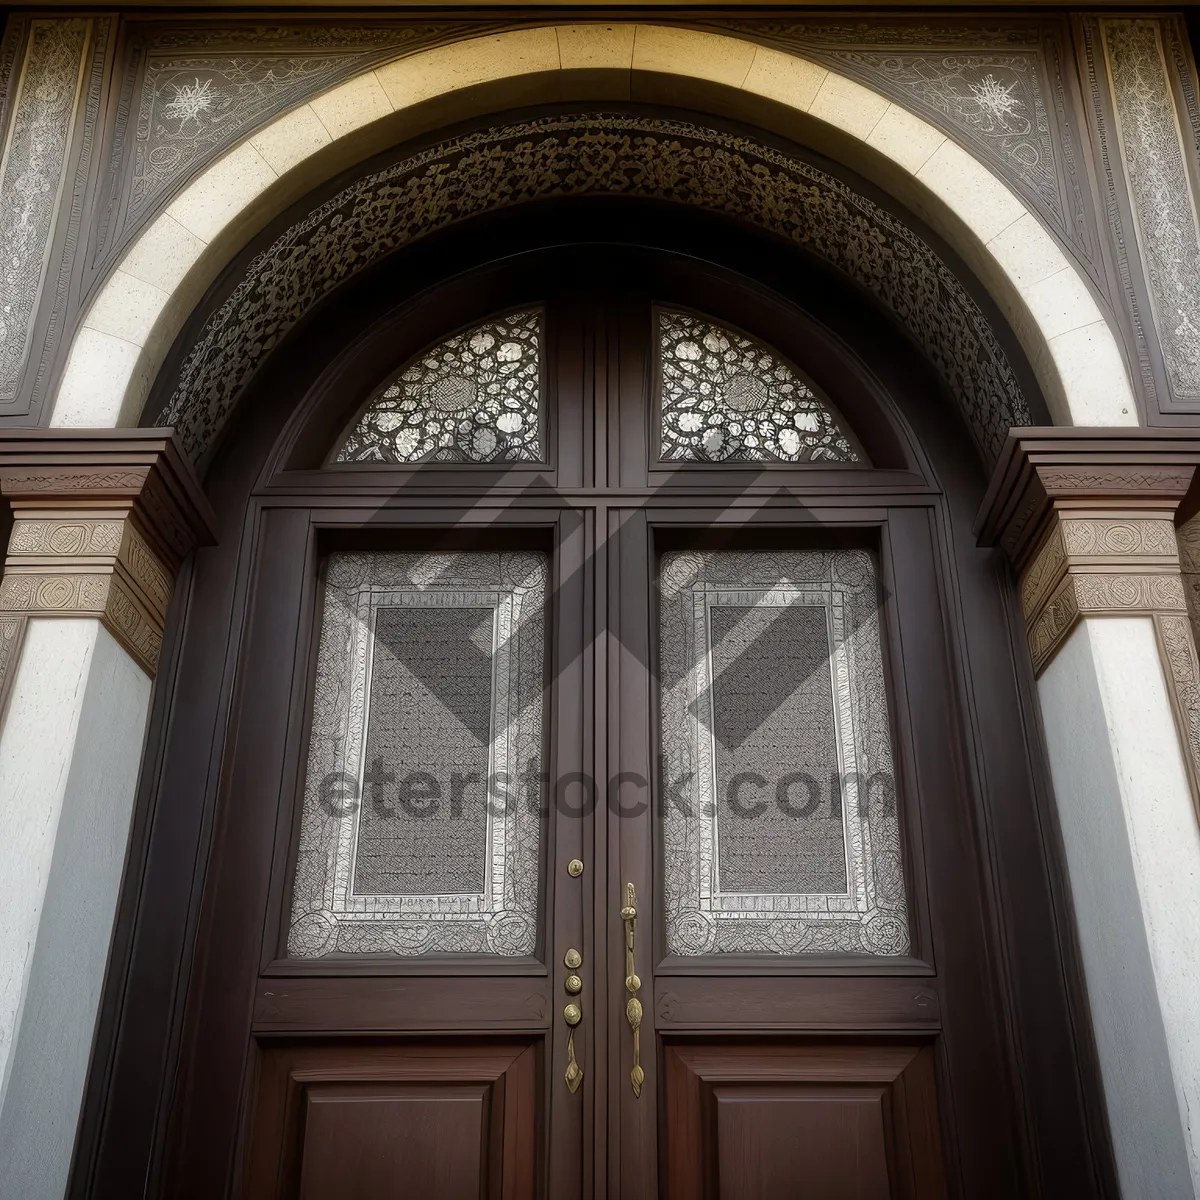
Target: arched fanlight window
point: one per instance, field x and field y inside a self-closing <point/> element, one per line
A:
<point x="725" y="397"/>
<point x="474" y="397"/>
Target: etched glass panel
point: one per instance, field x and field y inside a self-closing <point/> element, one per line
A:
<point x="780" y="829"/>
<point x="727" y="398"/>
<point x="419" y="833"/>
<point x="476" y="397"/>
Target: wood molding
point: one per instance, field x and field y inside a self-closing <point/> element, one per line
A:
<point x="101" y="522"/>
<point x="1111" y="469"/>
<point x="1088" y="519"/>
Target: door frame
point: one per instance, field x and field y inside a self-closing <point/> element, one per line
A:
<point x="131" y="1106"/>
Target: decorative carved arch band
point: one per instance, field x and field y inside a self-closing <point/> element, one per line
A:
<point x="134" y="319"/>
<point x="597" y="154"/>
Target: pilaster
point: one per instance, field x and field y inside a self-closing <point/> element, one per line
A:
<point x="1088" y="518"/>
<point x="100" y="523"/>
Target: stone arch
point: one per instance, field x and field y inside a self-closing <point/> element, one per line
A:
<point x="123" y="340"/>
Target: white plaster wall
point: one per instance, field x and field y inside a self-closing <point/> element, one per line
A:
<point x="69" y="756"/>
<point x="35" y="755"/>
<point x="1132" y="848"/>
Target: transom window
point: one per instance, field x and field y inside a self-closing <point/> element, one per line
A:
<point x="725" y="397"/>
<point x="475" y="397"/>
<point x="478" y="397"/>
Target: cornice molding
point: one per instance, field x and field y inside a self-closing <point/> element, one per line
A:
<point x="1041" y="471"/>
<point x="101" y="522"/>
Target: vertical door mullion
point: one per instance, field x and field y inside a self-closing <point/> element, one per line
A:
<point x="568" y="898"/>
<point x="627" y="796"/>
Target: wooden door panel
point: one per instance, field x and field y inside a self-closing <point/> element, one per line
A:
<point x="826" y="1121"/>
<point x="393" y="1140"/>
<point x="812" y="1140"/>
<point x="376" y="1003"/>
<point x="796" y="1002"/>
<point x="381" y="1121"/>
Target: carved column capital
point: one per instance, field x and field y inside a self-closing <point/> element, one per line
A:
<point x="1087" y="517"/>
<point x="101" y="521"/>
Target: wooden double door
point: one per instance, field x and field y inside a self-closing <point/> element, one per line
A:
<point x="596" y="813"/>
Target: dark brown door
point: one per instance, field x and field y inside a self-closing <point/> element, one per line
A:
<point x="776" y="672"/>
<point x="597" y="775"/>
<point x="791" y="1005"/>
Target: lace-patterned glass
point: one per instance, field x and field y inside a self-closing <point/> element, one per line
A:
<point x="727" y="398"/>
<point x="476" y="397"/>
<point x="780" y="831"/>
<point x="419" y="833"/>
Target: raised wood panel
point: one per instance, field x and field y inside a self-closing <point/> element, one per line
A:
<point x="370" y="1003"/>
<point x="813" y="1120"/>
<point x="808" y="1140"/>
<point x="809" y="1002"/>
<point x="394" y="1140"/>
<point x="382" y="1121"/>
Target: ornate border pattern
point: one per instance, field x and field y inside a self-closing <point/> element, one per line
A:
<point x="1098" y="566"/>
<point x="82" y="566"/>
<point x="1177" y="649"/>
<point x="327" y="915"/>
<point x="702" y="917"/>
<point x="32" y="174"/>
<point x="599" y="154"/>
<point x="1176" y="45"/>
<point x="12" y="40"/>
<point x="196" y="101"/>
<point x="996" y="89"/>
<point x="1165" y="220"/>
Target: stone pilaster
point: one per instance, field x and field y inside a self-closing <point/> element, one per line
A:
<point x="1088" y="519"/>
<point x="100" y="524"/>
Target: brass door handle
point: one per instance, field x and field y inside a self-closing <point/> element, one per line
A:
<point x="633" y="1006"/>
<point x="572" y="1014"/>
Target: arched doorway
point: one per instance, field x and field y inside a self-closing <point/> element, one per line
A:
<point x="824" y="983"/>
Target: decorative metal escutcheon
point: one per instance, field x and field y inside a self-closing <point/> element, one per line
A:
<point x="633" y="1006"/>
<point x="572" y="1014"/>
<point x="572" y="960"/>
<point x="575" y="868"/>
